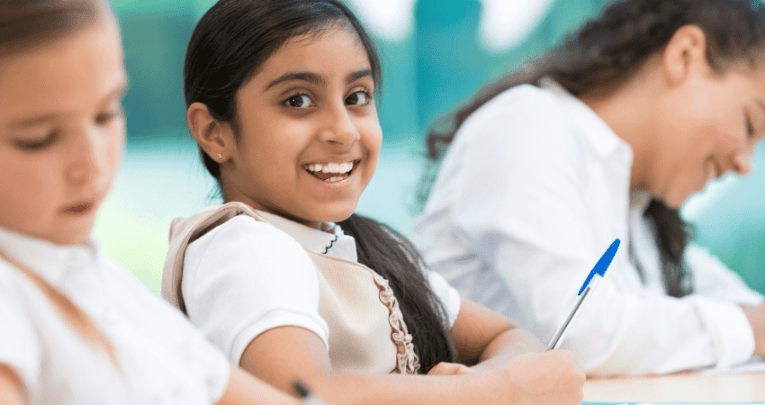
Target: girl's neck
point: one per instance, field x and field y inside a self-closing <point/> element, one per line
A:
<point x="629" y="110"/>
<point x="231" y="193"/>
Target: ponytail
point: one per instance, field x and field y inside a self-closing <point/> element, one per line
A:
<point x="392" y="256"/>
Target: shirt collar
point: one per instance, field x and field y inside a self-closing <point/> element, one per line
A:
<point x="335" y="243"/>
<point x="601" y="137"/>
<point x="639" y="200"/>
<point x="50" y="261"/>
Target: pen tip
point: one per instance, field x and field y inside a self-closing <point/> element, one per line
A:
<point x="301" y="389"/>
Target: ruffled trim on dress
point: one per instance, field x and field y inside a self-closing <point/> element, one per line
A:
<point x="407" y="361"/>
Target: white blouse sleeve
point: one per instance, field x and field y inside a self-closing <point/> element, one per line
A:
<point x="712" y="278"/>
<point x="449" y="297"/>
<point x="19" y="345"/>
<point x="245" y="277"/>
<point x="524" y="206"/>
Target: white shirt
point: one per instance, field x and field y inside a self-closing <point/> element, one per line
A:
<point x="530" y="194"/>
<point x="245" y="277"/>
<point x="162" y="359"/>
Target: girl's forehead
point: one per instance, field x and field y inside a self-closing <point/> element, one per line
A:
<point x="323" y="36"/>
<point x="333" y="51"/>
<point x="72" y="73"/>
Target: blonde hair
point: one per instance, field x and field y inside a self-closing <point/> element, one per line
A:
<point x="25" y="24"/>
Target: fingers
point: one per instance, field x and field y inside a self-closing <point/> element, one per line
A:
<point x="444" y="368"/>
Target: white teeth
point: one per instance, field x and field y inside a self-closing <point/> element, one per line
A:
<point x="331" y="167"/>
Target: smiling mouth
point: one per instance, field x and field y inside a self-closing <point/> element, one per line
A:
<point x="331" y="172"/>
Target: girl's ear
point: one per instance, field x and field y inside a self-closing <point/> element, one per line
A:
<point x="685" y="54"/>
<point x="213" y="136"/>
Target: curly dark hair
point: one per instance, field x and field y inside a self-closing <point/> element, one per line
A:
<point x="606" y="52"/>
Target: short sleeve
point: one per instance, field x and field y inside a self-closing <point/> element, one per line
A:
<point x="246" y="277"/>
<point x="449" y="297"/>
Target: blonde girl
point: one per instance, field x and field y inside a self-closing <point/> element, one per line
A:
<point x="76" y="328"/>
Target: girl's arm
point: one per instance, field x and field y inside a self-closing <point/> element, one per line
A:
<point x="482" y="335"/>
<point x="756" y="317"/>
<point x="244" y="389"/>
<point x="10" y="387"/>
<point x="283" y="355"/>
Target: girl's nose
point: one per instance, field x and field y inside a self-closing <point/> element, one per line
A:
<point x="741" y="161"/>
<point x="340" y="129"/>
<point x="86" y="162"/>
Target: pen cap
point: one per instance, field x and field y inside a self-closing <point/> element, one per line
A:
<point x="602" y="265"/>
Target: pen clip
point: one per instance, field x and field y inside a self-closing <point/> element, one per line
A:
<point x="602" y="265"/>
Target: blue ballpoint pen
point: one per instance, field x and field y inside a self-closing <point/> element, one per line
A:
<point x="590" y="282"/>
<point x="306" y="396"/>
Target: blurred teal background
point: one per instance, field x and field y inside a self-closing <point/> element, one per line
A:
<point x="435" y="53"/>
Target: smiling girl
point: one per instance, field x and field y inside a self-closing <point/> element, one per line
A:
<point x="76" y="328"/>
<point x="284" y="277"/>
<point x="605" y="138"/>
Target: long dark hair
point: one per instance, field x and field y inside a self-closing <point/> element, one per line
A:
<point x="228" y="46"/>
<point x="608" y="51"/>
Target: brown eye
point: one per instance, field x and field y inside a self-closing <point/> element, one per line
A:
<point x="298" y="101"/>
<point x="359" y="98"/>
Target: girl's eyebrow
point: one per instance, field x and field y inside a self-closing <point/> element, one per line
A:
<point x="358" y="75"/>
<point x="309" y="77"/>
<point x="315" y="79"/>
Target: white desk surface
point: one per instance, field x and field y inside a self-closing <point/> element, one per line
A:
<point x="682" y="387"/>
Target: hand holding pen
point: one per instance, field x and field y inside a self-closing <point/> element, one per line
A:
<point x="590" y="282"/>
<point x="306" y="395"/>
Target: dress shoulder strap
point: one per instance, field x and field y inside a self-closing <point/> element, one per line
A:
<point x="363" y="337"/>
<point x="193" y="228"/>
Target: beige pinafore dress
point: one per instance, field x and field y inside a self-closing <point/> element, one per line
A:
<point x="366" y="329"/>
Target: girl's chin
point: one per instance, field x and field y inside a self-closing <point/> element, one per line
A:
<point x="319" y="219"/>
<point x="673" y="201"/>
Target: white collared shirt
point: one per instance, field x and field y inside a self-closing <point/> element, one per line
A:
<point x="162" y="359"/>
<point x="532" y="191"/>
<point x="246" y="277"/>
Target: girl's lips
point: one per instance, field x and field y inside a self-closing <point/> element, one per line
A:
<point x="79" y="208"/>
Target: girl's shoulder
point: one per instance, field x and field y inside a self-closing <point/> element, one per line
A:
<point x="525" y="97"/>
<point x="25" y="316"/>
<point x="254" y="233"/>
<point x="16" y="289"/>
<point x="524" y="109"/>
<point x="245" y="241"/>
<point x="232" y="228"/>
